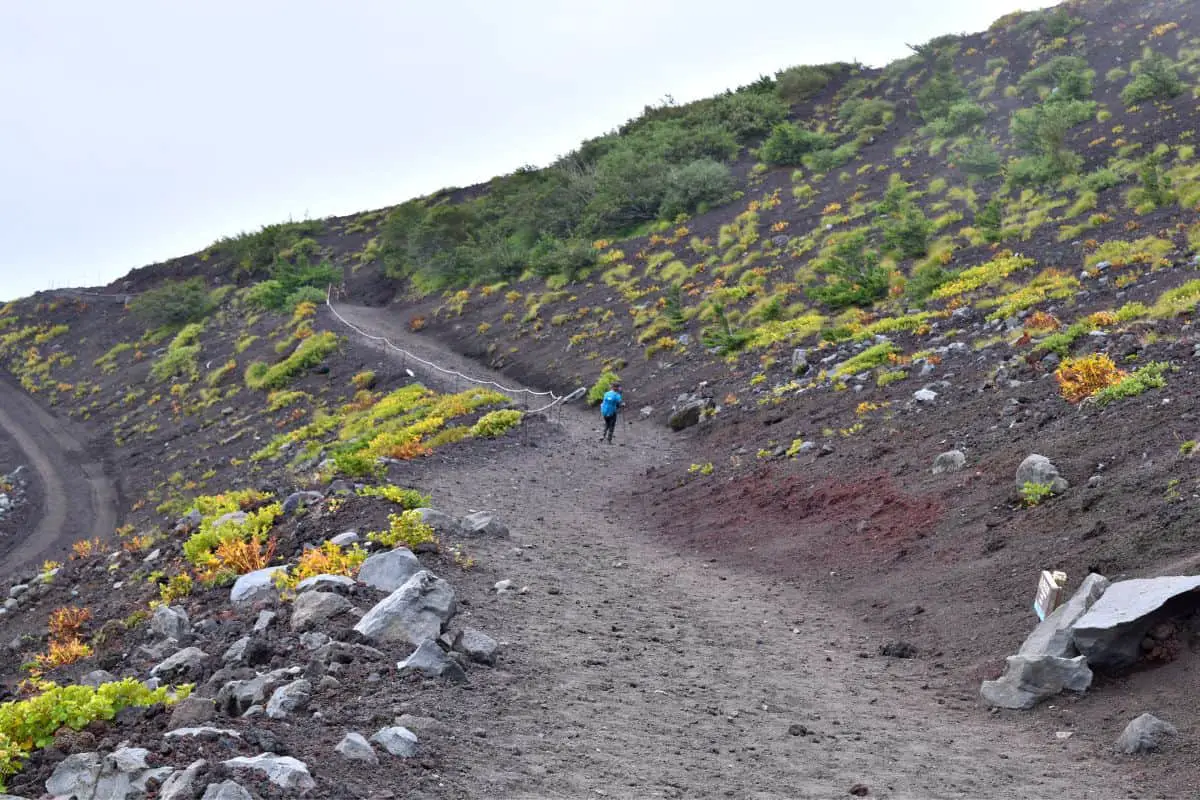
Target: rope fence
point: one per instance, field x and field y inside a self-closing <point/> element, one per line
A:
<point x="555" y="399"/>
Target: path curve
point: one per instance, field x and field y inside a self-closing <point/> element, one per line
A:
<point x="79" y="499"/>
<point x="631" y="669"/>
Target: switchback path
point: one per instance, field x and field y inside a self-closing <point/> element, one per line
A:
<point x="79" y="499"/>
<point x="632" y="670"/>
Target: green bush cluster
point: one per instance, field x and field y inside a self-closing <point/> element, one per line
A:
<point x="293" y="283"/>
<point x="1155" y="77"/>
<point x="254" y="253"/>
<point x="853" y="275"/>
<point x="789" y="143"/>
<point x="181" y="357"/>
<point x="603" y="384"/>
<point x="496" y="423"/>
<point x="405" y="498"/>
<point x="1063" y="77"/>
<point x="406" y="528"/>
<point x="174" y="303"/>
<point x="308" y="354"/>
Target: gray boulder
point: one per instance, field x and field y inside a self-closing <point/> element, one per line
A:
<point x="181" y="784"/>
<point x="285" y="772"/>
<point x="799" y="361"/>
<point x="396" y="740"/>
<point x="477" y="645"/>
<point x="442" y="523"/>
<point x="388" y="571"/>
<point x="311" y="609"/>
<point x="1110" y="633"/>
<point x="235" y="697"/>
<point x="431" y="661"/>
<point x="1040" y="470"/>
<point x="297" y="501"/>
<point x="189" y="521"/>
<point x="1052" y="636"/>
<point x="75" y="777"/>
<point x="289" y="698"/>
<point x="949" y="461"/>
<point x="925" y="396"/>
<point x="483" y="523"/>
<point x="186" y="665"/>
<point x="1145" y="734"/>
<point x="233" y="517"/>
<point x="355" y="747"/>
<point x="97" y="677"/>
<point x="170" y="622"/>
<point x="255" y="587"/>
<point x="346" y="538"/>
<point x="1028" y="680"/>
<point x="226" y="790"/>
<point x="326" y="583"/>
<point x="191" y="711"/>
<point x="687" y="413"/>
<point x="416" y="611"/>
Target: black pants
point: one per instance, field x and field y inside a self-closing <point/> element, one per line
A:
<point x="610" y="425"/>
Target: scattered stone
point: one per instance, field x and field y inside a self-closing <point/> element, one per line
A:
<point x="314" y="608"/>
<point x="431" y="661"/>
<point x="191" y="711"/>
<point x="226" y="790"/>
<point x="346" y="538"/>
<point x="396" y="740"/>
<point x="503" y="586"/>
<point x="688" y="412"/>
<point x="355" y="747"/>
<point x="1028" y="680"/>
<point x="1039" y="469"/>
<point x="97" y="677"/>
<point x="389" y="571"/>
<point x="796" y="729"/>
<point x="949" y="461"/>
<point x="297" y="501"/>
<point x="898" y="649"/>
<point x="860" y="790"/>
<point x="326" y="583"/>
<point x="264" y="620"/>
<point x="1145" y="734"/>
<point x="416" y="611"/>
<point x="799" y="361"/>
<point x="255" y="587"/>
<point x="187" y="665"/>
<point x="289" y="698"/>
<point x="483" y="523"/>
<point x="188" y="522"/>
<point x="1110" y="633"/>
<point x="925" y="396"/>
<point x="442" y="523"/>
<point x="205" y="732"/>
<point x="283" y="771"/>
<point x="170" y="622"/>
<point x="477" y="645"/>
<point x="181" y="784"/>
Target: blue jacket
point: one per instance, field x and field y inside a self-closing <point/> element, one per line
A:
<point x="611" y="402"/>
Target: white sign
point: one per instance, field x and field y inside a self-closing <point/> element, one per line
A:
<point x="1049" y="592"/>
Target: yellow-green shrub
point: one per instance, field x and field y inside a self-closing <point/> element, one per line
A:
<point x="405" y="528"/>
<point x="495" y="423"/>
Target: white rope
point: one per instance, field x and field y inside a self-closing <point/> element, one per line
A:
<point x="555" y="399"/>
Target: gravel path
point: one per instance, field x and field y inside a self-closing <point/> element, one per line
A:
<point x="632" y="670"/>
<point x="79" y="498"/>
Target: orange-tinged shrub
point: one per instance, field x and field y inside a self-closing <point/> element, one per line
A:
<point x="1080" y="378"/>
<point x="1042" y="321"/>
<point x="66" y="622"/>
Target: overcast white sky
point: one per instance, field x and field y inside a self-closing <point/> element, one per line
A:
<point x="132" y="131"/>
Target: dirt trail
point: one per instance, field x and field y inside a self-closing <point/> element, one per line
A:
<point x="632" y="670"/>
<point x="80" y="500"/>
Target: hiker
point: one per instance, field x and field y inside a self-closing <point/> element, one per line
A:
<point x="609" y="407"/>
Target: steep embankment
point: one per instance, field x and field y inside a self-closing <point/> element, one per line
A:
<point x="80" y="499"/>
<point x="632" y="668"/>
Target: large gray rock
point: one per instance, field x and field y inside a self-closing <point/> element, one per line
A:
<point x="1110" y="633"/>
<point x="687" y="413"/>
<point x="181" y="785"/>
<point x="416" y="611"/>
<point x="484" y="523"/>
<point x="226" y="790"/>
<point x="1028" y="680"/>
<point x="430" y="660"/>
<point x="325" y="583"/>
<point x="289" y="698"/>
<point x="799" y="361"/>
<point x="255" y="587"/>
<point x="284" y="771"/>
<point x="186" y="665"/>
<point x="949" y="461"/>
<point x="1052" y="636"/>
<point x="236" y="696"/>
<point x="1039" y="469"/>
<point x="170" y="622"/>
<point x="297" y="501"/>
<point x="396" y="740"/>
<point x="191" y="711"/>
<point x="355" y="747"/>
<point x="75" y="777"/>
<point x="311" y="609"/>
<point x="122" y="775"/>
<point x="1145" y="734"/>
<point x="388" y="571"/>
<point x="442" y="523"/>
<point x="477" y="645"/>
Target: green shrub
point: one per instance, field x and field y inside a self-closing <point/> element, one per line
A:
<point x="863" y="115"/>
<point x="308" y="354"/>
<point x="255" y="253"/>
<point x="825" y="160"/>
<point x="357" y="465"/>
<point x="1133" y="384"/>
<point x="406" y="528"/>
<point x="602" y="385"/>
<point x="405" y="498"/>
<point x="958" y="118"/>
<point x="941" y="90"/>
<point x="700" y="184"/>
<point x="979" y="159"/>
<point x="788" y="144"/>
<point x="181" y="357"/>
<point x="496" y="423"/>
<point x="1156" y="77"/>
<point x="174" y="303"/>
<point x="1033" y="494"/>
<point x="801" y="83"/>
<point x="1065" y="78"/>
<point x="1102" y="178"/>
<point x="852" y="274"/>
<point x="293" y="283"/>
<point x="1042" y="132"/>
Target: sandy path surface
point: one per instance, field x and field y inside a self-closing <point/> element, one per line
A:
<point x="633" y="670"/>
<point x="79" y="498"/>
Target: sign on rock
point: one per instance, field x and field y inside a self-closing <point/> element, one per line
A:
<point x="1049" y="592"/>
